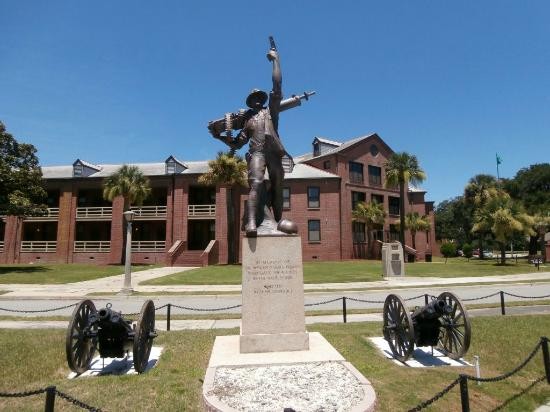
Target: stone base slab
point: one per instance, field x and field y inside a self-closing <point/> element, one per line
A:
<point x="276" y="342"/>
<point x="226" y="353"/>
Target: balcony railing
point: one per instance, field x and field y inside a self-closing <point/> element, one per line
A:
<point x="38" y="245"/>
<point x="94" y="212"/>
<point x="148" y="245"/>
<point x="51" y="213"/>
<point x="1" y="245"/>
<point x="92" y="245"/>
<point x="149" y="211"/>
<point x="201" y="211"/>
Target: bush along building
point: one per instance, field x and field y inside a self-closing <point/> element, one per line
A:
<point x="185" y="223"/>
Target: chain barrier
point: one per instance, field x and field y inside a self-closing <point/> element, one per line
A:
<point x="76" y="402"/>
<point x="438" y="396"/>
<point x="518" y="395"/>
<point x="324" y="302"/>
<point x="507" y="374"/>
<point x="206" y="310"/>
<point x="62" y="395"/>
<point x="21" y="394"/>
<point x="365" y="300"/>
<point x="39" y="310"/>
<point x="526" y="297"/>
<point x="481" y="297"/>
<point x="419" y="296"/>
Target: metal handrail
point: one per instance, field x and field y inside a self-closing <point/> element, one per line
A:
<point x="201" y="210"/>
<point x="52" y="212"/>
<point x="92" y="246"/>
<point x="98" y="211"/>
<point x="148" y="245"/>
<point x="38" y="245"/>
<point x="149" y="211"/>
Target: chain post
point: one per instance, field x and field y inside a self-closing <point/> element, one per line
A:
<point x="344" y="311"/>
<point x="545" y="357"/>
<point x="464" y="398"/>
<point x="502" y="306"/>
<point x="426" y="299"/>
<point x="50" y="399"/>
<point x="168" y="308"/>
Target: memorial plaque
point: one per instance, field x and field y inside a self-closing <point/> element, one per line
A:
<point x="273" y="317"/>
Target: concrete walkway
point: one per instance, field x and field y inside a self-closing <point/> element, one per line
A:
<point x="113" y="284"/>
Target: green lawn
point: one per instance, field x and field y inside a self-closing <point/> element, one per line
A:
<point x="36" y="359"/>
<point x="60" y="273"/>
<point x="350" y="271"/>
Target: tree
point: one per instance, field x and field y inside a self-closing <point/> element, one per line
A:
<point x="479" y="190"/>
<point x="416" y="223"/>
<point x="229" y="170"/>
<point x="504" y="218"/>
<point x="448" y="250"/>
<point x="541" y="225"/>
<point x="453" y="220"/>
<point x="21" y="189"/>
<point x="371" y="214"/>
<point x="402" y="169"/>
<point x="130" y="183"/>
<point x="531" y="186"/>
<point x="468" y="251"/>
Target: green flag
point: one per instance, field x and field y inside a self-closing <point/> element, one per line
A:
<point x="499" y="159"/>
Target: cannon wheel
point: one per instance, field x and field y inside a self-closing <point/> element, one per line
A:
<point x="455" y="332"/>
<point x="398" y="327"/>
<point x="80" y="348"/>
<point x="143" y="338"/>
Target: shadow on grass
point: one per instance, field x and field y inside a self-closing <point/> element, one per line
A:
<point x="23" y="269"/>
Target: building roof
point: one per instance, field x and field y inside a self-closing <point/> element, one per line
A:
<point x="327" y="141"/>
<point x="301" y="171"/>
<point x="148" y="169"/>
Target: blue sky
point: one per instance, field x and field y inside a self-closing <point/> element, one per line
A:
<point x="136" y="81"/>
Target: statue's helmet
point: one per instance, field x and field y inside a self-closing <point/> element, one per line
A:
<point x="256" y="94"/>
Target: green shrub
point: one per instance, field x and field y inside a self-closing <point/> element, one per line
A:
<point x="468" y="250"/>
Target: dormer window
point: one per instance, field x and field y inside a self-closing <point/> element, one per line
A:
<point x="174" y="166"/>
<point x="316" y="149"/>
<point x="82" y="168"/>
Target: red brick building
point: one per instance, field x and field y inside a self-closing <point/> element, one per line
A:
<point x="183" y="222"/>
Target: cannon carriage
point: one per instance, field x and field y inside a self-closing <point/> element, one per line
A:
<point x="442" y="323"/>
<point x="108" y="332"/>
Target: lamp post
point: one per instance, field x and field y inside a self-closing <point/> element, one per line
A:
<point x="127" y="287"/>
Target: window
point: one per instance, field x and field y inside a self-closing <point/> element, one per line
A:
<point x="286" y="197"/>
<point x="357" y="197"/>
<point x="394" y="234"/>
<point x="358" y="232"/>
<point x="355" y="172"/>
<point x="314" y="230"/>
<point x="377" y="199"/>
<point x="375" y="175"/>
<point x="77" y="170"/>
<point x="393" y="205"/>
<point x="316" y="149"/>
<point x="170" y="167"/>
<point x="373" y="150"/>
<point x="326" y="164"/>
<point x="313" y="195"/>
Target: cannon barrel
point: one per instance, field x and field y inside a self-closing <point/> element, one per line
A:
<point x="432" y="310"/>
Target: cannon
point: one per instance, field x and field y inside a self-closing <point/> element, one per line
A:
<point x="442" y="323"/>
<point x="109" y="333"/>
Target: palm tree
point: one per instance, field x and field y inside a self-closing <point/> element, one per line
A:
<point x="479" y="190"/>
<point x="229" y="170"/>
<point x="416" y="223"/>
<point x="130" y="183"/>
<point x="541" y="225"/>
<point x="371" y="214"/>
<point x="402" y="169"/>
<point x="503" y="218"/>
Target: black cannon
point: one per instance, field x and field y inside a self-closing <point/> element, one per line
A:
<point x="443" y="323"/>
<point x="109" y="333"/>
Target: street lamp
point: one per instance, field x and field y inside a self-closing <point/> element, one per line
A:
<point x="127" y="288"/>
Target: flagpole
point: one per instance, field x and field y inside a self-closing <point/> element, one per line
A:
<point x="498" y="162"/>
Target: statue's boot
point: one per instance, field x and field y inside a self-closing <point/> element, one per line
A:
<point x="287" y="226"/>
<point x="250" y="227"/>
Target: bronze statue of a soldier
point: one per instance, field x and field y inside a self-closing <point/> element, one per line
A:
<point x="259" y="126"/>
